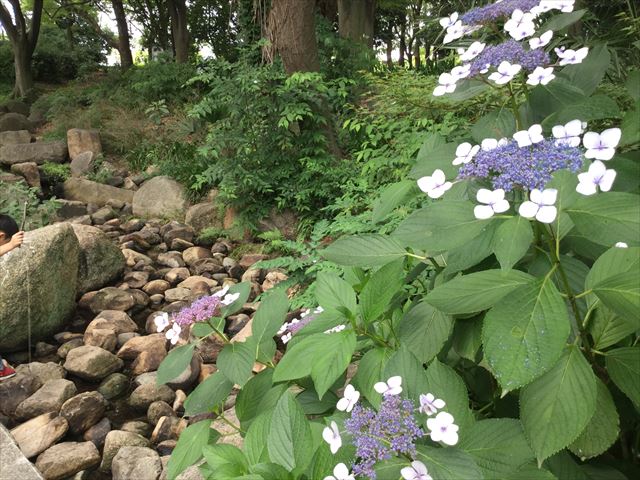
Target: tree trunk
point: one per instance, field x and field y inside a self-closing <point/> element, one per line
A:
<point x="23" y="39"/>
<point x="124" y="48"/>
<point x="416" y="53"/>
<point x="329" y="10"/>
<point x="403" y="43"/>
<point x="356" y="19"/>
<point x="179" y="29"/>
<point x="389" y="53"/>
<point x="291" y="31"/>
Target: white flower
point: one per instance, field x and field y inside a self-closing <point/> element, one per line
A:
<point x="494" y="203"/>
<point x="435" y="185"/>
<point x="449" y="21"/>
<point x="283" y="328"/>
<point x="162" y="321"/>
<point x="565" y="6"/>
<point x="541" y="41"/>
<point x="430" y="404"/>
<point x="331" y="435"/>
<point x="621" y="245"/>
<point x="569" y="133"/>
<point x="230" y="298"/>
<point x="454" y="32"/>
<point x="601" y="146"/>
<point x="465" y="152"/>
<point x="349" y="399"/>
<point x="340" y="472"/>
<point x="472" y="52"/>
<point x="505" y="73"/>
<point x="443" y="429"/>
<point x="572" y="57"/>
<point x="541" y="76"/>
<point x="489" y="144"/>
<point x="543" y="7"/>
<point x="529" y="137"/>
<point x="173" y="334"/>
<point x="486" y="68"/>
<point x="336" y="329"/>
<point x="520" y="25"/>
<point x="447" y="84"/>
<point x="461" y="71"/>
<point x="222" y="292"/>
<point x="390" y="387"/>
<point x="286" y="338"/>
<point x="597" y="176"/>
<point x="417" y="471"/>
<point x="540" y="205"/>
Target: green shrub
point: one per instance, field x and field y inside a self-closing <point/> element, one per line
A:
<point x="13" y="197"/>
<point x="56" y="172"/>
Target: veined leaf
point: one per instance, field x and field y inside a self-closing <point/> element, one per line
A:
<point x="556" y="407"/>
<point x="289" y="441"/>
<point x="562" y="20"/>
<point x="603" y="428"/>
<point x="188" y="450"/>
<point x="367" y="250"/>
<point x="376" y="295"/>
<point x="498" y="446"/>
<point x="608" y="218"/>
<point x="332" y="359"/>
<point x="424" y="330"/>
<point x="333" y="293"/>
<point x="251" y="394"/>
<point x="235" y="361"/>
<point x="390" y="198"/>
<point x="208" y="395"/>
<point x="449" y="463"/>
<point x="623" y="366"/>
<point x="371" y="370"/>
<point x="405" y="364"/>
<point x="621" y="293"/>
<point x="441" y="226"/>
<point x="588" y="74"/>
<point x="477" y="291"/>
<point x="175" y="363"/>
<point x="612" y="262"/>
<point x="497" y="124"/>
<point x="257" y="439"/>
<point x="445" y="383"/>
<point x="512" y="241"/>
<point x="524" y="334"/>
<point x="607" y="328"/>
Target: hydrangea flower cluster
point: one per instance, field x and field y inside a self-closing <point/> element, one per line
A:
<point x="512" y="56"/>
<point x="288" y="329"/>
<point x="392" y="430"/>
<point x="527" y="162"/>
<point x="200" y="310"/>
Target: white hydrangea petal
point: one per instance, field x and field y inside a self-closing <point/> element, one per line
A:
<point x="438" y="176"/>
<point x="482" y="212"/>
<point x="548" y="196"/>
<point x="426" y="184"/>
<point x="621" y="245"/>
<point x="380" y="387"/>
<point x="573" y="128"/>
<point x="485" y="196"/>
<point x="587" y="187"/>
<point x="536" y="196"/>
<point x="463" y="149"/>
<point x="450" y="437"/>
<point x="439" y="403"/>
<point x="611" y="137"/>
<point x="489" y="144"/>
<point x="528" y="209"/>
<point x="439" y="91"/>
<point x="342" y="404"/>
<point x="341" y="470"/>
<point x="523" y="138"/>
<point x="546" y="214"/>
<point x="501" y="206"/>
<point x="606" y="182"/>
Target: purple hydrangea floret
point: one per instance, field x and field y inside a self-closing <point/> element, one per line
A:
<point x="199" y="311"/>
<point x="510" y="166"/>
<point x="378" y="436"/>
<point x="512" y="52"/>
<point x="492" y="12"/>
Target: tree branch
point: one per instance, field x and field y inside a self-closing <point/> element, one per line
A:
<point x="7" y="24"/>
<point x="36" y="21"/>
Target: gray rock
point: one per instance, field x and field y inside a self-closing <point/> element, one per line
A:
<point x="115" y="440"/>
<point x="103" y="215"/>
<point x="49" y="398"/>
<point x="69" y="209"/>
<point x="82" y="164"/>
<point x="137" y="426"/>
<point x="141" y="463"/>
<point x="81" y="141"/>
<point x="177" y="294"/>
<point x="100" y="262"/>
<point x="16" y="106"/>
<point x="118" y="320"/>
<point x="171" y="259"/>
<point x="157" y="410"/>
<point x="47" y="268"/>
<point x="160" y="197"/>
<point x="13" y="122"/>
<point x="98" y="433"/>
<point x="92" y="363"/>
<point x="111" y="298"/>
<point x="191" y="473"/>
<point x="39" y="433"/>
<point x="39" y="152"/>
<point x="12" y="460"/>
<point x="67" y="459"/>
<point x="42" y="371"/>
<point x="203" y="215"/>
<point x="86" y="191"/>
<point x="65" y="348"/>
<point x="114" y="385"/>
<point x="83" y="411"/>
<point x="29" y="171"/>
<point x="14" y="391"/>
<point x="144" y="395"/>
<point x="12" y="138"/>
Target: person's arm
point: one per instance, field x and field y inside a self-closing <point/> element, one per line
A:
<point x="15" y="242"/>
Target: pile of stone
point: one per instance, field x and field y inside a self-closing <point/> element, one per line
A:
<point x="65" y="409"/>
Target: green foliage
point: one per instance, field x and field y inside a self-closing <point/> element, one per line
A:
<point x="13" y="197"/>
<point x="56" y="172"/>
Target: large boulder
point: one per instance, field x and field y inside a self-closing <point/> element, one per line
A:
<point x="86" y="191"/>
<point x="16" y="106"/>
<point x="80" y="141"/>
<point x="38" y="285"/>
<point x="39" y="152"/>
<point x="12" y="138"/>
<point x="141" y="463"/>
<point x="66" y="459"/>
<point x="203" y="215"/>
<point x="100" y="262"/>
<point x="12" y="122"/>
<point x="29" y="171"/>
<point x="160" y="197"/>
<point x="39" y="433"/>
<point x="91" y="363"/>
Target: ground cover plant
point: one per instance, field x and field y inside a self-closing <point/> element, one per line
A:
<point x="492" y="333"/>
